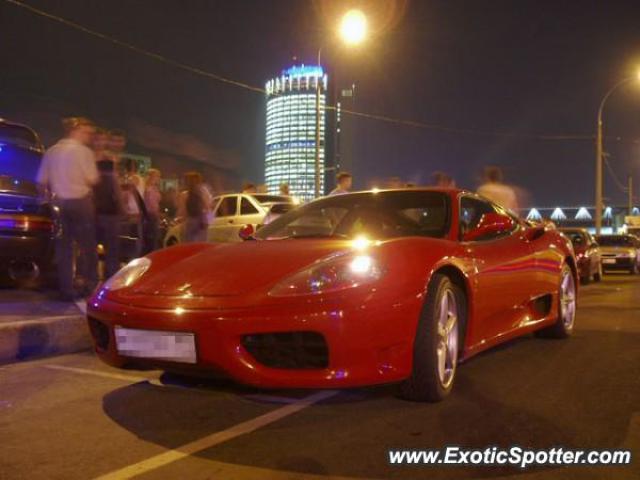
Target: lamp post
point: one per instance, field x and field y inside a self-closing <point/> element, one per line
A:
<point x="353" y="29"/>
<point x="599" y="151"/>
<point x="630" y="194"/>
<point x="318" y="180"/>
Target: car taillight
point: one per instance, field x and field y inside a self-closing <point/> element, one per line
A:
<point x="26" y="224"/>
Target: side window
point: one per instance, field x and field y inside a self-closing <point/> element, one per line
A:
<point x="227" y="207"/>
<point x="247" y="208"/>
<point x="471" y="211"/>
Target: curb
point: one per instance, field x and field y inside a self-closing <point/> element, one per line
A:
<point x="28" y="339"/>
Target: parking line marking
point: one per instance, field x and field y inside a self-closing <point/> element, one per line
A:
<point x="217" y="438"/>
<point x="118" y="376"/>
<point x="98" y="373"/>
<point x="257" y="397"/>
<point x="82" y="306"/>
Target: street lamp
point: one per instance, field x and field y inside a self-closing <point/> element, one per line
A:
<point x="353" y="30"/>
<point x="599" y="149"/>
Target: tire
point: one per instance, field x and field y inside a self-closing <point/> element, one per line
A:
<point x="597" y="277"/>
<point x="563" y="327"/>
<point x="436" y="349"/>
<point x="585" y="280"/>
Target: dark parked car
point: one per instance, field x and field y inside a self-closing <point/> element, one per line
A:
<point x="587" y="252"/>
<point x="27" y="220"/>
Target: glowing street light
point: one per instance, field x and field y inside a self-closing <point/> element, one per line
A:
<point x="353" y="30"/>
<point x="599" y="148"/>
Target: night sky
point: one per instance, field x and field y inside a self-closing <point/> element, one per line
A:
<point x="523" y="67"/>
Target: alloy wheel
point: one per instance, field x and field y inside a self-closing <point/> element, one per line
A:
<point x="568" y="300"/>
<point x="447" y="347"/>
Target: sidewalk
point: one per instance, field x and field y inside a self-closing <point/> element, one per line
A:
<point x="34" y="323"/>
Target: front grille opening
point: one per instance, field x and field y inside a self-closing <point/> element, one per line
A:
<point x="100" y="333"/>
<point x="542" y="306"/>
<point x="291" y="350"/>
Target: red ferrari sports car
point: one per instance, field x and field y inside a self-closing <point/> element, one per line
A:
<point x="357" y="289"/>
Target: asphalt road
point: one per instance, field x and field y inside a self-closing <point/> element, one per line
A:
<point x="71" y="417"/>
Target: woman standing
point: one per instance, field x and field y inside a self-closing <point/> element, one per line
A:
<point x="193" y="206"/>
<point x="152" y="197"/>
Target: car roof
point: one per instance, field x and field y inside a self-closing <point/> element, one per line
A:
<point x="39" y="146"/>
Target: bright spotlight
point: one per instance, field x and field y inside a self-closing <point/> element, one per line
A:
<point x="353" y="28"/>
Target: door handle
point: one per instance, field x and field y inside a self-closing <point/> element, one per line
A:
<point x="230" y="221"/>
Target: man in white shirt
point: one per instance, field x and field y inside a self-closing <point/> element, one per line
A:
<point x="68" y="171"/>
<point x="495" y="190"/>
<point x="344" y="181"/>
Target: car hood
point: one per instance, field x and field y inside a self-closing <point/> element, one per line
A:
<point x="229" y="269"/>
<point x="617" y="250"/>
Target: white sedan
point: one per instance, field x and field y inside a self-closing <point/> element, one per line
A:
<point x="231" y="212"/>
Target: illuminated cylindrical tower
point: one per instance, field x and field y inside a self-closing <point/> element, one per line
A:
<point x="291" y="130"/>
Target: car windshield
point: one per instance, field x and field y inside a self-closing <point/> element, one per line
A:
<point x="576" y="236"/>
<point x="615" y="241"/>
<point x="376" y="215"/>
<point x="272" y="198"/>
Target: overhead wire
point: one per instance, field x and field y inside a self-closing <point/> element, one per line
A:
<point x="378" y="117"/>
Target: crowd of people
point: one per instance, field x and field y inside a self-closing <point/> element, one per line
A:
<point x="492" y="187"/>
<point x="97" y="191"/>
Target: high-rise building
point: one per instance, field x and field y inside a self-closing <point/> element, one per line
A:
<point x="291" y="130"/>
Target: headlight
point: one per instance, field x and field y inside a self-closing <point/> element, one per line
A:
<point x="128" y="274"/>
<point x="331" y="275"/>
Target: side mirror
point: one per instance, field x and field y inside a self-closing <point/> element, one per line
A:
<point x="490" y="224"/>
<point x="246" y="232"/>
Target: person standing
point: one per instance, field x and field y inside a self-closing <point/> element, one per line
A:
<point x="284" y="189"/>
<point x="152" y="199"/>
<point x="68" y="171"/>
<point x="107" y="197"/>
<point x="442" y="180"/>
<point x="194" y="204"/>
<point x="495" y="190"/>
<point x="249" y="188"/>
<point x="345" y="181"/>
<point x="133" y="191"/>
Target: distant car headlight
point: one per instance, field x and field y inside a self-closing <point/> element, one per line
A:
<point x="331" y="275"/>
<point x="128" y="274"/>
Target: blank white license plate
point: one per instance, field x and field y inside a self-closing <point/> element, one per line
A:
<point x="608" y="260"/>
<point x="156" y="344"/>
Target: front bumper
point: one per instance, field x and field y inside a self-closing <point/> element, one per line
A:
<point x="370" y="343"/>
<point x="620" y="263"/>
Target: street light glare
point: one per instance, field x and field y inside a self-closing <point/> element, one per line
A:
<point x="353" y="28"/>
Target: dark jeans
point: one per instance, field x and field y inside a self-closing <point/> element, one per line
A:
<point x="195" y="230"/>
<point x="108" y="229"/>
<point x="77" y="220"/>
<point x="151" y="234"/>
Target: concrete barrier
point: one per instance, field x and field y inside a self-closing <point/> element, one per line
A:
<point x="37" y="337"/>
